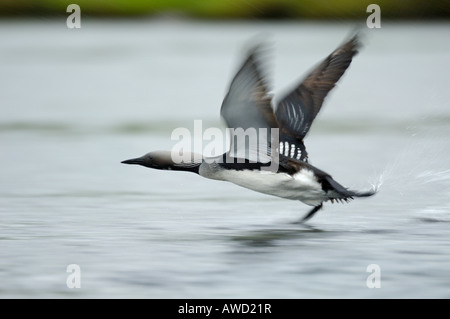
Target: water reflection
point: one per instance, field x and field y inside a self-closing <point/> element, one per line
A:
<point x="275" y="236"/>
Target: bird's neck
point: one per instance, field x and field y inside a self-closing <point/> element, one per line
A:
<point x="188" y="162"/>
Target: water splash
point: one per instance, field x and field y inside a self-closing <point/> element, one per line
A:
<point x="420" y="172"/>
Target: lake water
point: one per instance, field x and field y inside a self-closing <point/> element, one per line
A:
<point x="74" y="103"/>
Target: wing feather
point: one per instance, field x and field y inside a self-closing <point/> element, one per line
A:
<point x="248" y="105"/>
<point x="297" y="110"/>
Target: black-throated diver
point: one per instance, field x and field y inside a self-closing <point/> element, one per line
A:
<point x="249" y="105"/>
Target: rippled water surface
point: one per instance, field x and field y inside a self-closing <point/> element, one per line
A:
<point x="77" y="102"/>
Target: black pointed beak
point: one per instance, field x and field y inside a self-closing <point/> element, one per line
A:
<point x="137" y="161"/>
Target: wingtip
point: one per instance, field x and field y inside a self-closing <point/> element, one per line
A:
<point x="261" y="42"/>
<point x="260" y="49"/>
<point x="353" y="44"/>
<point x="356" y="38"/>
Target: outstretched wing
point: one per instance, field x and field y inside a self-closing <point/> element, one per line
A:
<point x="297" y="110"/>
<point x="247" y="109"/>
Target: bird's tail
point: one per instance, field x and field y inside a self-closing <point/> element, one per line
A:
<point x="338" y="192"/>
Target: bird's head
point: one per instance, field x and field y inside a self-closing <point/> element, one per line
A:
<point x="157" y="160"/>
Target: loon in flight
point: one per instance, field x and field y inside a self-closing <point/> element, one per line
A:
<point x="279" y="166"/>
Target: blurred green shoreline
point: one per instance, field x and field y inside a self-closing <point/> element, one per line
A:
<point x="232" y="9"/>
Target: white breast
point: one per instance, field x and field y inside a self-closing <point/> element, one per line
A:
<point x="302" y="186"/>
